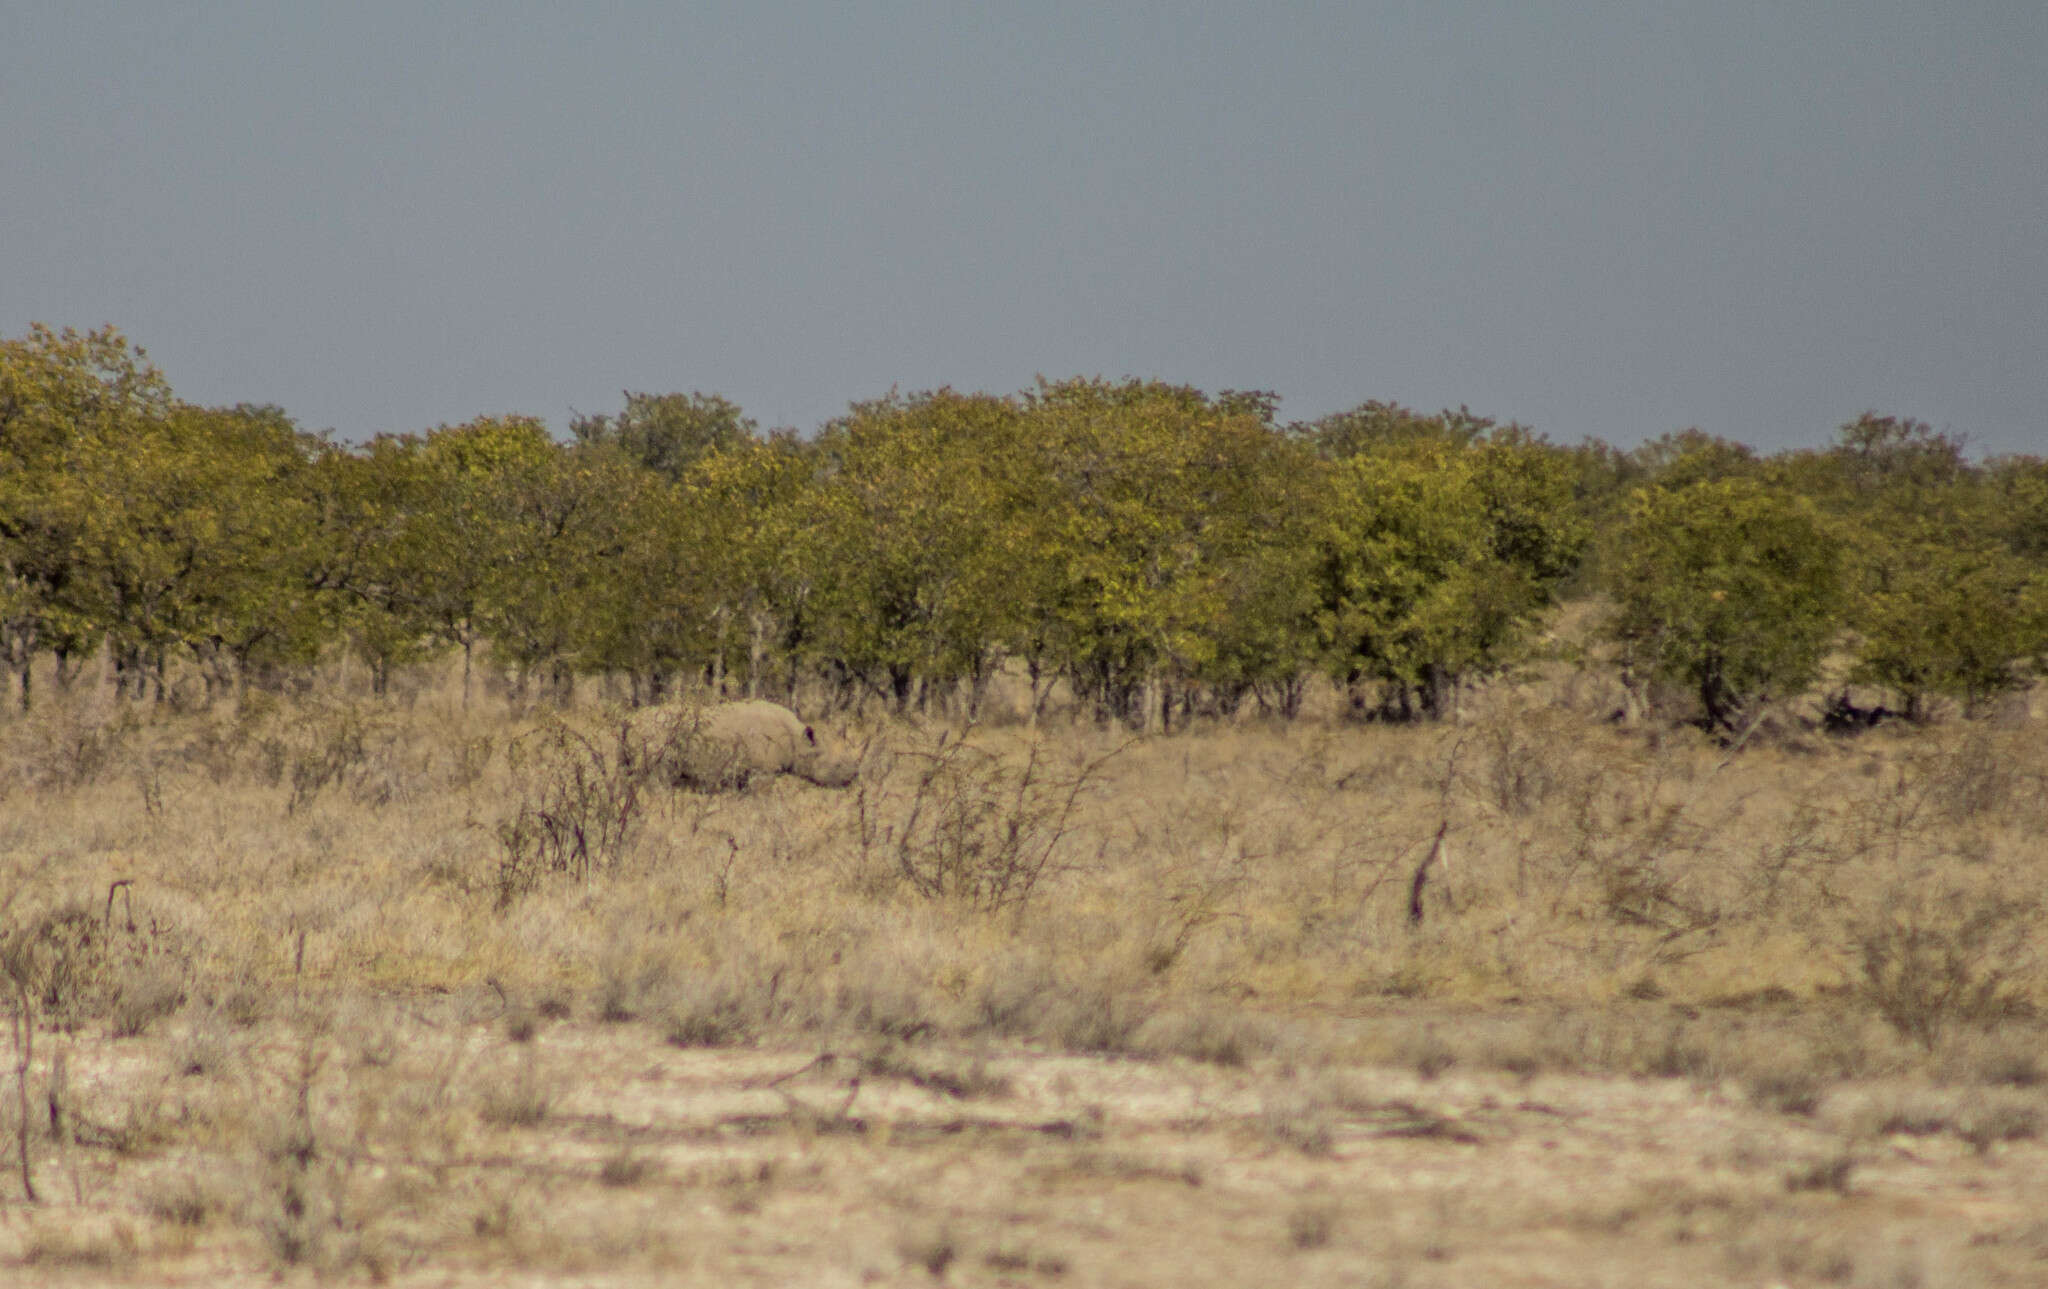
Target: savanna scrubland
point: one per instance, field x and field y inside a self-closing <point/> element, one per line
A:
<point x="1396" y="850"/>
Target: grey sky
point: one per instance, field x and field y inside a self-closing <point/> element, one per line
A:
<point x="1606" y="219"/>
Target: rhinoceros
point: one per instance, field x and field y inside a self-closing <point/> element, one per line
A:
<point x="726" y="746"/>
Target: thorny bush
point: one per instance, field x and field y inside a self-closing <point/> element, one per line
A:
<point x="973" y="827"/>
<point x="1933" y="957"/>
<point x="586" y="801"/>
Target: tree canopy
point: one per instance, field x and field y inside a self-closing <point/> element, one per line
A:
<point x="1159" y="550"/>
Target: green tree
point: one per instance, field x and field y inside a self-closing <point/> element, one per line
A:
<point x="747" y="516"/>
<point x="2016" y="501"/>
<point x="68" y="401"/>
<point x="1263" y="644"/>
<point x="236" y="510"/>
<point x="1150" y="499"/>
<point x="366" y="502"/>
<point x="910" y="527"/>
<point x="1376" y="427"/>
<point x="197" y="540"/>
<point x="1693" y="456"/>
<point x="448" y="560"/>
<point x="1942" y="596"/>
<point x="1944" y="619"/>
<point x="1402" y="560"/>
<point x="651" y="610"/>
<point x="1439" y="541"/>
<point x="566" y="514"/>
<point x="1729" y="587"/>
<point x="1888" y="454"/>
<point x="668" y="433"/>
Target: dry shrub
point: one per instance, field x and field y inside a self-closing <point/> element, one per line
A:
<point x="585" y="800"/>
<point x="1937" y="954"/>
<point x="79" y="743"/>
<point x="1425" y="1052"/>
<point x="933" y="1247"/>
<point x="1919" y="1114"/>
<point x="1787" y="1088"/>
<point x="1310" y="1226"/>
<point x="1828" y="1173"/>
<point x="311" y="1192"/>
<point x="625" y="1170"/>
<point x="1785" y="1248"/>
<point x="973" y="825"/>
<point x="469" y="759"/>
<point x="1629" y="858"/>
<point x="297" y="1207"/>
<point x="63" y="961"/>
<point x="1990" y="1120"/>
<point x="1299" y="1120"/>
<point x="883" y="999"/>
<point x="219" y="749"/>
<point x="246" y="1003"/>
<point x="1981" y="775"/>
<point x="1211" y="1035"/>
<point x="716" y="1011"/>
<point x="1093" y="1016"/>
<point x="1519" y="770"/>
<point x="2010" y="1055"/>
<point x="75" y="962"/>
<point x="144" y="994"/>
<point x="62" y="1249"/>
<point x="182" y="1200"/>
<point x="318" y="748"/>
<point x="1014" y="1259"/>
<point x="634" y="979"/>
<point x="941" y="1073"/>
<point x="1025" y="995"/>
<point x="521" y="1103"/>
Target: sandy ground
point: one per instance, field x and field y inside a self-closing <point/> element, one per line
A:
<point x="637" y="1162"/>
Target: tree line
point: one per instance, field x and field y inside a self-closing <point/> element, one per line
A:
<point x="1160" y="551"/>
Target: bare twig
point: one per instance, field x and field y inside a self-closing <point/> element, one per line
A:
<point x="24" y="1050"/>
<point x="1421" y="879"/>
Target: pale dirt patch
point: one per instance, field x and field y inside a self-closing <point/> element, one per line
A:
<point x="651" y="1164"/>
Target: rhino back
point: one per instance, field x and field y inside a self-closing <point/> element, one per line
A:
<point x="763" y="735"/>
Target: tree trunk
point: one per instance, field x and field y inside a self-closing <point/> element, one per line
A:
<point x="125" y="666"/>
<point x="1439" y="692"/>
<point x="1633" y="702"/>
<point x="757" y="648"/>
<point x="1291" y="691"/>
<point x="1034" y="672"/>
<point x="1720" y="703"/>
<point x="977" y="687"/>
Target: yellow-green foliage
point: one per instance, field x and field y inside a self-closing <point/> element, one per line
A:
<point x="1159" y="551"/>
<point x="1730" y="588"/>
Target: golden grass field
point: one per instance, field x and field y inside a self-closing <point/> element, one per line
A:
<point x="296" y="993"/>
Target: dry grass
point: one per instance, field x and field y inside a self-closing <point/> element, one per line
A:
<point x="394" y="989"/>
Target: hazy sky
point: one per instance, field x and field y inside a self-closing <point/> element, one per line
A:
<point x="1605" y="219"/>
